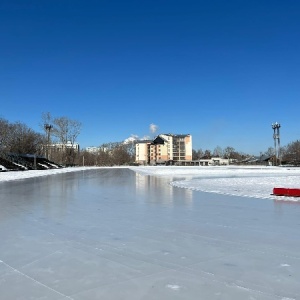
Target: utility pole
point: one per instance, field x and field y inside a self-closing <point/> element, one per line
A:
<point x="48" y="128"/>
<point x="276" y="136"/>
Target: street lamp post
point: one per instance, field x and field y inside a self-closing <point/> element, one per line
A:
<point x="48" y="128"/>
<point x="276" y="136"/>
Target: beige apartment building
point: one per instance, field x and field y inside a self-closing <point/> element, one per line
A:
<point x="165" y="148"/>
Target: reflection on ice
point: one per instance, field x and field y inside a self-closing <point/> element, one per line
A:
<point x="151" y="185"/>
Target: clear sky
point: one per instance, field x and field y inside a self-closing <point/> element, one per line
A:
<point x="221" y="70"/>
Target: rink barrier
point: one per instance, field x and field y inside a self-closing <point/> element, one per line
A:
<point x="286" y="192"/>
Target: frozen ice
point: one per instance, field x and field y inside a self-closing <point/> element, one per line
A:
<point x="149" y="233"/>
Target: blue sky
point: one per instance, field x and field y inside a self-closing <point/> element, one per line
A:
<point x="223" y="71"/>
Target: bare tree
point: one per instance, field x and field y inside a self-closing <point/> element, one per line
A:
<point x="291" y="153"/>
<point x="109" y="154"/>
<point x="46" y="119"/>
<point x="218" y="152"/>
<point x="4" y="135"/>
<point x="22" y="139"/>
<point x="130" y="149"/>
<point x="64" y="132"/>
<point x="104" y="157"/>
<point x="270" y="151"/>
<point x="207" y="154"/>
<point x="228" y="152"/>
<point x="120" y="155"/>
<point x="197" y="154"/>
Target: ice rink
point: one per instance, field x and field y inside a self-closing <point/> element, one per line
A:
<point x="149" y="233"/>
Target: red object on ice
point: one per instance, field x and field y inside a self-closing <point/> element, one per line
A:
<point x="286" y="192"/>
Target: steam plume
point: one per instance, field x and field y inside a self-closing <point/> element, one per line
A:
<point x="153" y="128"/>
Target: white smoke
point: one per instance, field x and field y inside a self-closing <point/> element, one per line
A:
<point x="153" y="128"/>
<point x="145" y="137"/>
<point x="131" y="139"/>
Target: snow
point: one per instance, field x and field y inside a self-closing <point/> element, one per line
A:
<point x="256" y="182"/>
<point x="19" y="175"/>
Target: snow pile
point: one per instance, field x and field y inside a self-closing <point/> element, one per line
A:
<point x="18" y="175"/>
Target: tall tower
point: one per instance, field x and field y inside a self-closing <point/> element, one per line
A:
<point x="48" y="128"/>
<point x="276" y="137"/>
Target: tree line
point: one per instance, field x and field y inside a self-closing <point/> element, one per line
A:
<point x="109" y="154"/>
<point x="58" y="142"/>
<point x="228" y="152"/>
<point x="19" y="138"/>
<point x="289" y="154"/>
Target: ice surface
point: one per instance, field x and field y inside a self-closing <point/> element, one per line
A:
<point x="116" y="233"/>
<point x="251" y="181"/>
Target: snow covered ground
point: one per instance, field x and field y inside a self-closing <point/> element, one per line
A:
<point x="18" y="175"/>
<point x="257" y="182"/>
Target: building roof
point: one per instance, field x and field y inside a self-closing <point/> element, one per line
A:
<point x="176" y="135"/>
<point x="144" y="141"/>
<point x="159" y="140"/>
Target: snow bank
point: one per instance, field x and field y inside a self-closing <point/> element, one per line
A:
<point x="18" y="175"/>
<point x="252" y="181"/>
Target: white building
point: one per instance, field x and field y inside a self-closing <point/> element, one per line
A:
<point x="92" y="149"/>
<point x="68" y="145"/>
<point x="214" y="161"/>
<point x="165" y="148"/>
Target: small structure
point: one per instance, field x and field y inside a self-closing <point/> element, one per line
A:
<point x="214" y="161"/>
<point x="289" y="192"/>
<point x="92" y="149"/>
<point x="263" y="160"/>
<point x="64" y="147"/>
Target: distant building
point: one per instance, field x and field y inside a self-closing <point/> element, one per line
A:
<point x="96" y="149"/>
<point x="64" y="147"/>
<point x="214" y="161"/>
<point x="267" y="160"/>
<point x="142" y="151"/>
<point x="164" y="149"/>
<point x="92" y="149"/>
